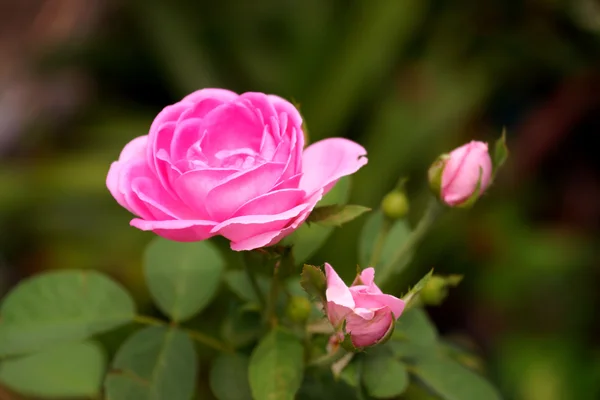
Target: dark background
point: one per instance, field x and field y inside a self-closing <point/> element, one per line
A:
<point x="408" y="79"/>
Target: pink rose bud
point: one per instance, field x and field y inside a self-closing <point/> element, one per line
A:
<point x="461" y="171"/>
<point x="369" y="314"/>
<point x="219" y="163"/>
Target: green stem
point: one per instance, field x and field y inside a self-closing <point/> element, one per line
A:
<point x="432" y="212"/>
<point x="270" y="313"/>
<point x="197" y="336"/>
<point x="253" y="282"/>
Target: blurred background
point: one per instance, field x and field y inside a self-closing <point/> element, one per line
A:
<point x="408" y="79"/>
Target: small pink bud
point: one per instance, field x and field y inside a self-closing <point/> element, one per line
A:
<point x="462" y="170"/>
<point x="369" y="314"/>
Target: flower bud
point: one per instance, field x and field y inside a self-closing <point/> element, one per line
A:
<point x="395" y="205"/>
<point x="436" y="289"/>
<point x="460" y="177"/>
<point x="362" y="311"/>
<point x="298" y="309"/>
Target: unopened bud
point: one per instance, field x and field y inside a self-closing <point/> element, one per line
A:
<point x="298" y="309"/>
<point x="395" y="205"/>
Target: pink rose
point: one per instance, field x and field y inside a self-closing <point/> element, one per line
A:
<point x="461" y="172"/>
<point x="219" y="163"/>
<point x="369" y="314"/>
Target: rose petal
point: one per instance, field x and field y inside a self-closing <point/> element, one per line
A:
<point x="186" y="134"/>
<point x="339" y="298"/>
<point x="271" y="238"/>
<point x="223" y="200"/>
<point x="231" y="126"/>
<point x="160" y="203"/>
<point x="328" y="160"/>
<point x="119" y="181"/>
<point x="272" y="203"/>
<point x="136" y="148"/>
<point x="241" y="228"/>
<point x="193" y="186"/>
<point x="159" y="157"/>
<point x="366" y="332"/>
<point x="177" y="230"/>
<point x="376" y="300"/>
<point x="290" y="183"/>
<point x="221" y="95"/>
<point x="283" y="106"/>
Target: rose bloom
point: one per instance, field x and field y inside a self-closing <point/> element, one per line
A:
<point x="461" y="172"/>
<point x="219" y="163"/>
<point x="369" y="313"/>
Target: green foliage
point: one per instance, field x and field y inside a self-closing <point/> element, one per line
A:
<point x="276" y="367"/>
<point x="452" y="381"/>
<point x="415" y="290"/>
<point x="379" y="237"/>
<point x="336" y="215"/>
<point x="384" y="376"/>
<point x="229" y="377"/>
<point x="238" y="282"/>
<point x="242" y="326"/>
<point x="314" y="282"/>
<point x="182" y="277"/>
<point x="155" y="363"/>
<point x="63" y="371"/>
<point x="309" y="238"/>
<point x="59" y="307"/>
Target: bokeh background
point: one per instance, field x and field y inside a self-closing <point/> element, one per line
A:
<point x="408" y="79"/>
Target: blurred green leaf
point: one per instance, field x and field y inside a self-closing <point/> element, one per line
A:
<point x="155" y="363"/>
<point x="336" y="215"/>
<point x="229" y="377"/>
<point x="61" y="306"/>
<point x="414" y="291"/>
<point x="414" y="325"/>
<point x="242" y="327"/>
<point x="452" y="381"/>
<point x="383" y="375"/>
<point x="308" y="239"/>
<point x="276" y="367"/>
<point x="182" y="277"/>
<point x="67" y="370"/>
<point x="239" y="283"/>
<point x="314" y="282"/>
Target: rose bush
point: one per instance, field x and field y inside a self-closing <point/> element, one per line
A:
<point x="219" y="163"/>
<point x="368" y="312"/>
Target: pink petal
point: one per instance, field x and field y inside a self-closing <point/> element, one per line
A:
<point x="160" y="203"/>
<point x="159" y="146"/>
<point x="337" y="292"/>
<point x="223" y="200"/>
<point x="290" y="183"/>
<point x="367" y="332"/>
<point x="375" y="300"/>
<point x="271" y="238"/>
<point x="461" y="172"/>
<point x="136" y="148"/>
<point x="177" y="230"/>
<point x="244" y="227"/>
<point x="272" y="203"/>
<point x="221" y="95"/>
<point x="229" y="127"/>
<point x="186" y="134"/>
<point x="124" y="174"/>
<point x="283" y="106"/>
<point x="328" y="160"/>
<point x="367" y="276"/>
<point x="193" y="187"/>
<point x="168" y="114"/>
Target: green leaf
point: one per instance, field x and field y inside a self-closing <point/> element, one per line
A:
<point x="415" y="326"/>
<point x="307" y="239"/>
<point x="156" y="363"/>
<point x="276" y="367"/>
<point x="237" y="281"/>
<point x="384" y="376"/>
<point x="229" y="377"/>
<point x="500" y="153"/>
<point x="182" y="277"/>
<point x="242" y="327"/>
<point x="336" y="215"/>
<point x="59" y="307"/>
<point x="350" y="374"/>
<point x="394" y="236"/>
<point x="67" y="370"/>
<point x="313" y="281"/>
<point x="452" y="381"/>
<point x="414" y="291"/>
